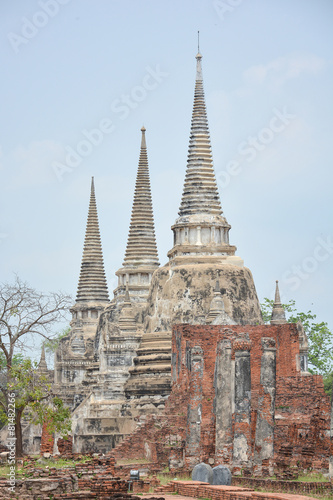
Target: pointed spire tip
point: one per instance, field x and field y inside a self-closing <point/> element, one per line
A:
<point x="198" y="54"/>
<point x="277" y="293"/>
<point x="143" y="138"/>
<point x="141" y="244"/>
<point x="278" y="316"/>
<point x="92" y="282"/>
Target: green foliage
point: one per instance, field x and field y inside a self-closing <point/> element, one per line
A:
<point x="312" y="477"/>
<point x="54" y="413"/>
<point x="16" y="361"/>
<point x="52" y="344"/>
<point x="328" y="383"/>
<point x="34" y="398"/>
<point x="319" y="336"/>
<point x="24" y="315"/>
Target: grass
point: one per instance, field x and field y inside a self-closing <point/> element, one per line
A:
<point x="130" y="461"/>
<point x="310" y="477"/>
<point x="163" y="479"/>
<point x="4" y="471"/>
<point x="313" y="477"/>
<point x="60" y="463"/>
<point x="166" y="479"/>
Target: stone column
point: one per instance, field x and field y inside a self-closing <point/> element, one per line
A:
<point x="199" y="235"/>
<point x="193" y="431"/>
<point x="264" y="438"/>
<point x="223" y="403"/>
<point x="212" y="235"/>
<point x="242" y="416"/>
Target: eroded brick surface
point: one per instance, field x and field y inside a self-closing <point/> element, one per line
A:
<point x="47" y="441"/>
<point x="302" y="409"/>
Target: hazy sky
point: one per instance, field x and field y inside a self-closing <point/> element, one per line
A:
<point x="80" y="77"/>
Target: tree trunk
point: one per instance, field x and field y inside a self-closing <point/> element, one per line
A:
<point x="18" y="434"/>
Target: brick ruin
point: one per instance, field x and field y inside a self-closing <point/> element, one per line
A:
<point x="240" y="390"/>
<point x="239" y="398"/>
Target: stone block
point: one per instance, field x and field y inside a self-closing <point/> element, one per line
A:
<point x="221" y="475"/>
<point x="203" y="472"/>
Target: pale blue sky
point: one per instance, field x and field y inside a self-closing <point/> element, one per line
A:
<point x="267" y="65"/>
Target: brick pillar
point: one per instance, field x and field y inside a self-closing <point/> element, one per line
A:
<point x="242" y="452"/>
<point x="264" y="437"/>
<point x="47" y="441"/>
<point x="193" y="431"/>
<point x="223" y="403"/>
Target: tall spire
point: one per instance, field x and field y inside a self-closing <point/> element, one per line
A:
<point x="201" y="231"/>
<point x="200" y="194"/>
<point x="278" y="315"/>
<point x="141" y="257"/>
<point x="92" y="283"/>
<point x="141" y="243"/>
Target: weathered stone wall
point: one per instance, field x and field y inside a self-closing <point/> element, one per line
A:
<point x="224" y="397"/>
<point x="264" y="433"/>
<point x="183" y="294"/>
<point x="242" y="449"/>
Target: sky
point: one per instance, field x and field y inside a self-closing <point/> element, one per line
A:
<point x="79" y="78"/>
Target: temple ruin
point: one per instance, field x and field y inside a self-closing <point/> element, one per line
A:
<point x="184" y="344"/>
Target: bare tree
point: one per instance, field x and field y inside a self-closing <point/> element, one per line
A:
<point x="25" y="314"/>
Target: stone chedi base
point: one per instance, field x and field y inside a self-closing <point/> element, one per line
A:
<point x="183" y="294"/>
<point x="149" y="383"/>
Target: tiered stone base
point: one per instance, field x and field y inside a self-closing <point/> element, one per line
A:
<point x="149" y="383"/>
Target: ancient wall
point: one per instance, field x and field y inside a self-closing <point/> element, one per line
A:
<point x="302" y="420"/>
<point x="289" y="411"/>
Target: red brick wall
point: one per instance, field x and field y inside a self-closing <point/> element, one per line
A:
<point x="65" y="446"/>
<point x="302" y="419"/>
<point x="47" y="441"/>
<point x="301" y="402"/>
<point x="302" y="397"/>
